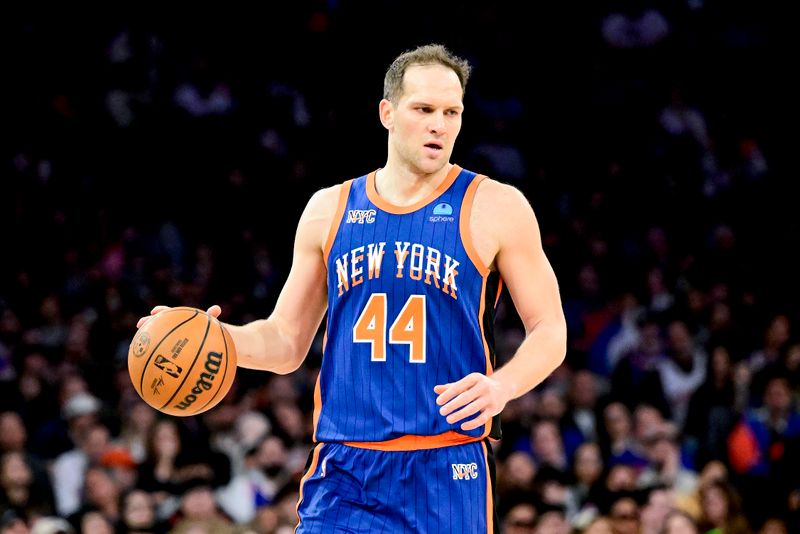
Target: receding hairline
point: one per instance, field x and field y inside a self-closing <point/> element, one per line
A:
<point x="426" y="55"/>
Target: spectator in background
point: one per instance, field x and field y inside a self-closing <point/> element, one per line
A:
<point x="176" y="460"/>
<point x="692" y="504"/>
<point x="624" y="514"/>
<point x="121" y="466"/>
<point x="266" y="472"/>
<point x="773" y="525"/>
<point x="654" y="511"/>
<point x="11" y="523"/>
<point x="203" y="92"/>
<point x="617" y="440"/>
<point x="520" y="519"/>
<point x="70" y="468"/>
<point x="721" y="509"/>
<point x="620" y="479"/>
<point x="635" y="26"/>
<point x="713" y="408"/>
<point x="791" y="365"/>
<point x="679" y="522"/>
<point x="37" y="402"/>
<point x="635" y="379"/>
<point x="14" y="438"/>
<point x="137" y="419"/>
<point x="625" y="337"/>
<point x="547" y="446"/>
<point x="93" y="521"/>
<point x="659" y="300"/>
<point x="515" y="480"/>
<point x="552" y="519"/>
<point x="291" y="426"/>
<point x="599" y="525"/>
<point x="665" y="465"/>
<point x="682" y="372"/>
<point x="100" y="493"/>
<point x="20" y="490"/>
<point x="688" y="148"/>
<point x="776" y="335"/>
<point x="762" y="450"/>
<point x="138" y="514"/>
<point x="80" y="409"/>
<point x="52" y="525"/>
<point x="199" y="510"/>
<point x="767" y="359"/>
<point x="247" y="431"/>
<point x="587" y="469"/>
<point x="579" y="423"/>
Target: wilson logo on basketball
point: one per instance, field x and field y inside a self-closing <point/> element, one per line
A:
<point x="204" y="383"/>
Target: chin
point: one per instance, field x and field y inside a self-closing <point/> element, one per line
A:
<point x="432" y="166"/>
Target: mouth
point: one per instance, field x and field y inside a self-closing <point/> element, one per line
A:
<point x="434" y="145"/>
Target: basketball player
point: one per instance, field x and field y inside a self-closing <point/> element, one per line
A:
<point x="408" y="262"/>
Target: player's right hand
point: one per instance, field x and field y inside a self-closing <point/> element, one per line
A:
<point x="213" y="311"/>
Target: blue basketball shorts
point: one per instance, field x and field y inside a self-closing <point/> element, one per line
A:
<point x="355" y="490"/>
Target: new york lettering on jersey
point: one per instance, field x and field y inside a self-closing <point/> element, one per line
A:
<point x="410" y="306"/>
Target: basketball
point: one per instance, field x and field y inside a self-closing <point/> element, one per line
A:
<point x="182" y="362"/>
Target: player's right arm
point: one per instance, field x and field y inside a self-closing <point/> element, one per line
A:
<point x="281" y="342"/>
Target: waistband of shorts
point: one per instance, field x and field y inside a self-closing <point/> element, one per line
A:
<point x="412" y="442"/>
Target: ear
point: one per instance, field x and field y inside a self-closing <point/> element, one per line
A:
<point x="386" y="112"/>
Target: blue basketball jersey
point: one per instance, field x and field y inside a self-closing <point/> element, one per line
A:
<point x="410" y="306"/>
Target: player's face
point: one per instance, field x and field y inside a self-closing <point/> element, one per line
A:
<point x="426" y="119"/>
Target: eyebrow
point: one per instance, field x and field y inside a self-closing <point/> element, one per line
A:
<point x="429" y="105"/>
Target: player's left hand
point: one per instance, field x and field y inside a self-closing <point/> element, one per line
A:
<point x="472" y="394"/>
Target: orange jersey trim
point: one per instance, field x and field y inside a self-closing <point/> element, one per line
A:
<point x="413" y="442"/>
<point x="487" y="428"/>
<point x="466" y="239"/>
<point x="344" y="193"/>
<point x="375" y="198"/>
<point x="464" y="229"/>
<point x="311" y="469"/>
<point x="317" y="405"/>
<point x="489" y="495"/>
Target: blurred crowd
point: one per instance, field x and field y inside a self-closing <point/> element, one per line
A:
<point x="167" y="162"/>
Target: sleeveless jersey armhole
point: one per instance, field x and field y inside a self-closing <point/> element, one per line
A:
<point x="344" y="193"/>
<point x="464" y="225"/>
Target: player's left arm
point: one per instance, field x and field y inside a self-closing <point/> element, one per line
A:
<point x="510" y="230"/>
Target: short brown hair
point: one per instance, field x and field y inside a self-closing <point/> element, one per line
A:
<point x="430" y="54"/>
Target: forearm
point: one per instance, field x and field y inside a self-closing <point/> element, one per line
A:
<point x="542" y="351"/>
<point x="267" y="345"/>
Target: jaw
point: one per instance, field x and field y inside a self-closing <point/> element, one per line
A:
<point x="419" y="159"/>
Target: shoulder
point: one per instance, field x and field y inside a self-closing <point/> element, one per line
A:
<point x="326" y="198"/>
<point x="319" y="213"/>
<point x="500" y="197"/>
<point x="500" y="207"/>
<point x="323" y="204"/>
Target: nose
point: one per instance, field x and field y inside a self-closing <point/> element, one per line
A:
<point x="437" y="124"/>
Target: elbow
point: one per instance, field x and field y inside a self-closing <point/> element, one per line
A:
<point x="560" y="346"/>
<point x="291" y="364"/>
